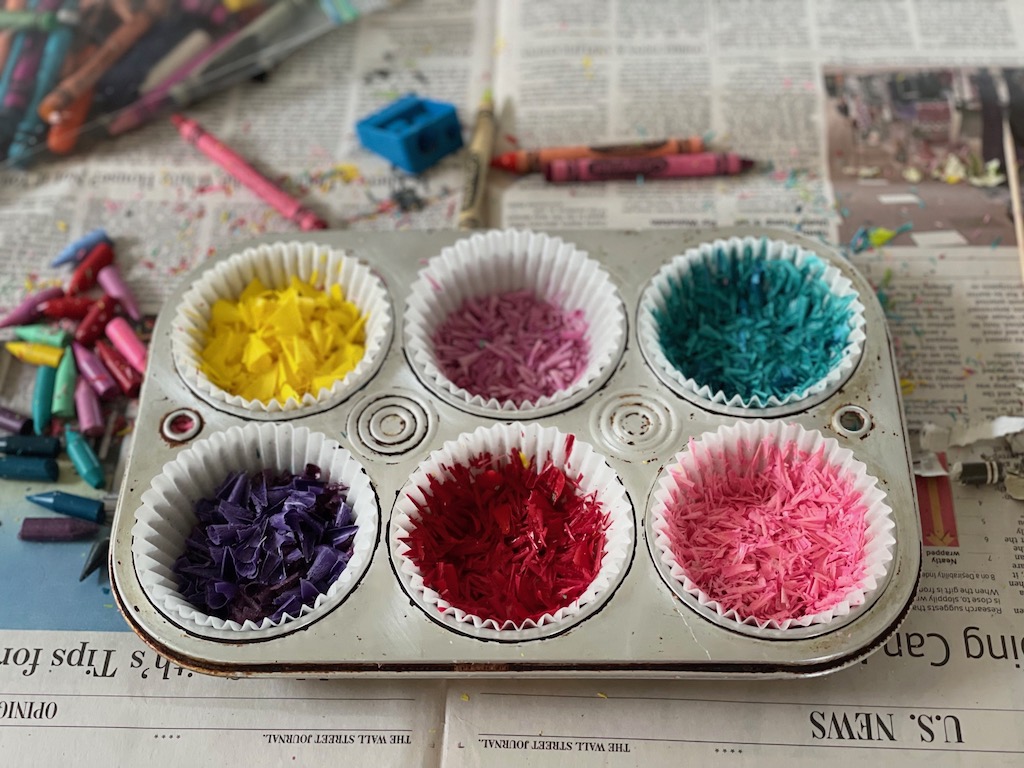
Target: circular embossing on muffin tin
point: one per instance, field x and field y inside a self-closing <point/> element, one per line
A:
<point x="390" y="425"/>
<point x="635" y="423"/>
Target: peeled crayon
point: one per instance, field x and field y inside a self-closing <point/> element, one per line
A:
<point x="97" y="556"/>
<point x="35" y="354"/>
<point x="127" y="343"/>
<point x="29" y="310"/>
<point x="92" y="370"/>
<point x="29" y="468"/>
<point x="12" y="421"/>
<point x="30" y="445"/>
<point x="84" y="458"/>
<point x="76" y="250"/>
<point x="64" y="386"/>
<point x="42" y="398"/>
<point x="110" y="280"/>
<point x="56" y="529"/>
<point x="71" y="504"/>
<point x="87" y="409"/>
<point x="84" y="276"/>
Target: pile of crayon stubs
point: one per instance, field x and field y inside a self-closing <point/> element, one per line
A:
<point x="81" y="339"/>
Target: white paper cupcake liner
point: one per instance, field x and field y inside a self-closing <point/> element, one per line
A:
<point x="166" y="517"/>
<point x="578" y="460"/>
<point x="655" y="296"/>
<point x="275" y="264"/>
<point x="715" y="450"/>
<point x="500" y="261"/>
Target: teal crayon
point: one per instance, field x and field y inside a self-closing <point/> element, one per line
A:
<point x="71" y="504"/>
<point x="64" y="386"/>
<point x="84" y="459"/>
<point x="42" y="398"/>
<point x="30" y="445"/>
<point x="30" y="132"/>
<point x="29" y="468"/>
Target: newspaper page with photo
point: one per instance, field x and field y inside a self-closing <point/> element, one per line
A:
<point x="875" y="123"/>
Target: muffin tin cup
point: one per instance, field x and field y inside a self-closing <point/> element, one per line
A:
<point x="501" y="261"/>
<point x="275" y="264"/>
<point x="167" y="516"/>
<point x="578" y="460"/>
<point x="736" y="443"/>
<point x="653" y="300"/>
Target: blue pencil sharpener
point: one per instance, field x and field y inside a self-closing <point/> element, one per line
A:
<point x="412" y="133"/>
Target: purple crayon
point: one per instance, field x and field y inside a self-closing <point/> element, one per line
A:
<point x="92" y="370"/>
<point x="56" y="529"/>
<point x="28" y="310"/>
<point x="87" y="409"/>
<point x="12" y="421"/>
<point x="114" y="285"/>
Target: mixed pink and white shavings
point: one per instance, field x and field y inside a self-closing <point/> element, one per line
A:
<point x="512" y="346"/>
<point x="772" y="532"/>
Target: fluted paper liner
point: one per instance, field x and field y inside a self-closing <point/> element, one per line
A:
<point x="575" y="458"/>
<point x="654" y="297"/>
<point x="275" y="264"/>
<point x="708" y="455"/>
<point x="500" y="261"/>
<point x="167" y="516"/>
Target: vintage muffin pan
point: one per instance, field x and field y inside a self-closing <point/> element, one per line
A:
<point x="668" y="441"/>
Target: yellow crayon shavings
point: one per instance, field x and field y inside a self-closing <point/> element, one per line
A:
<point x="275" y="344"/>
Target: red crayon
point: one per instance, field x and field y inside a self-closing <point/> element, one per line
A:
<point x="95" y="320"/>
<point x="532" y="161"/>
<point x="127" y="378"/>
<point x="667" y="167"/>
<point x="85" y="273"/>
<point x="66" y="307"/>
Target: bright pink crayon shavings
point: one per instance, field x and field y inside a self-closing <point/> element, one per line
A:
<point x="512" y="346"/>
<point x="771" y="532"/>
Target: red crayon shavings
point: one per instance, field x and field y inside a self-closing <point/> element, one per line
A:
<point x="512" y="346"/>
<point x="502" y="541"/>
<point x="771" y="532"/>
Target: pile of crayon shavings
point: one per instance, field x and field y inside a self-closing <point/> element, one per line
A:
<point x="266" y="544"/>
<point x="512" y="346"/>
<point x="275" y="344"/>
<point x="776" y="533"/>
<point x="754" y="327"/>
<point x="506" y="541"/>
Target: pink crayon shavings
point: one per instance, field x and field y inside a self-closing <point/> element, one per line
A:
<point x="776" y="535"/>
<point x="512" y="346"/>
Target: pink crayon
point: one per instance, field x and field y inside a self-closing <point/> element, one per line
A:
<point x="29" y="310"/>
<point x="240" y="169"/>
<point x="94" y="372"/>
<point x="127" y="343"/>
<point x="665" y="167"/>
<point x="87" y="408"/>
<point x="113" y="284"/>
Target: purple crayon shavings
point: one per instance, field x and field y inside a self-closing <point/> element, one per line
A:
<point x="512" y="346"/>
<point x="266" y="544"/>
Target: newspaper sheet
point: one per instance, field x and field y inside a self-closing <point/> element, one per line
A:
<point x="859" y="114"/>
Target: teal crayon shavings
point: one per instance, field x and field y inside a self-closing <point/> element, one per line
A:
<point x="753" y="327"/>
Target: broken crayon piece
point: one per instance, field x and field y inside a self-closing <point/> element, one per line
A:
<point x="56" y="529"/>
<point x="96" y="558"/>
<point x="71" y="504"/>
<point x="30" y="445"/>
<point x="84" y="458"/>
<point x="28" y="468"/>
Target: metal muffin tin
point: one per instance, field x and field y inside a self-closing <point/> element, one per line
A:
<point x="635" y="421"/>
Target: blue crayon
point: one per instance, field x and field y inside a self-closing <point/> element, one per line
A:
<point x="29" y="468"/>
<point x="42" y="398"/>
<point x="31" y="128"/>
<point x="76" y="250"/>
<point x="84" y="458"/>
<point x="70" y="504"/>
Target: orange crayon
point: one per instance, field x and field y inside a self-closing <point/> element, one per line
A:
<point x="534" y="161"/>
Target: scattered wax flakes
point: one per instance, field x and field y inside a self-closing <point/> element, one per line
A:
<point x="512" y="346"/>
<point x="464" y="697"/>
<point x="266" y="544"/>
<point x="990" y="176"/>
<point x="912" y="175"/>
<point x="753" y="327"/>
<point x="507" y="542"/>
<point x="602" y="695"/>
<point x="62" y="226"/>
<point x="276" y="344"/>
<point x="772" y="532"/>
<point x="879" y="236"/>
